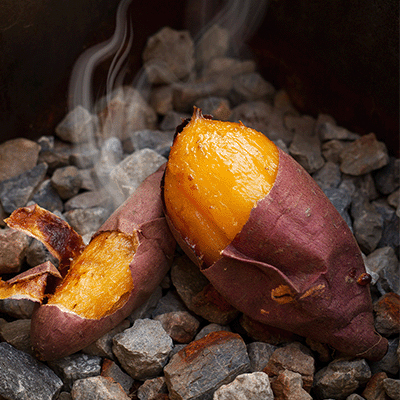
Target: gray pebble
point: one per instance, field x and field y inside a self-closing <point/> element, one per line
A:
<point x="143" y="350"/>
<point x="22" y="377"/>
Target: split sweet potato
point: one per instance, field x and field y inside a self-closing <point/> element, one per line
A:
<point x="115" y="273"/>
<point x="266" y="236"/>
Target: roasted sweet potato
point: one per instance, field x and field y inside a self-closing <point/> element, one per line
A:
<point x="266" y="236"/>
<point x="117" y="271"/>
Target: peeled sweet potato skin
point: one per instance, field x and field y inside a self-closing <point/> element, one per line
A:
<point x="57" y="332"/>
<point x="295" y="266"/>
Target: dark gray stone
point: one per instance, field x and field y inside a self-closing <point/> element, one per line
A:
<point x="341" y="199"/>
<point x="389" y="363"/>
<point x="218" y="107"/>
<point x="251" y="87"/>
<point x="47" y="197"/>
<point x="212" y="328"/>
<point x="87" y="221"/>
<point x="259" y="354"/>
<point x="151" y="388"/>
<point x="17" y="334"/>
<point x="203" y="366"/>
<point x="37" y="254"/>
<point x="66" y="181"/>
<point x="143" y="350"/>
<point x="74" y="367"/>
<point x="22" y="377"/>
<point x="387" y="178"/>
<point x="17" y="191"/>
<point x="341" y="378"/>
<point x="159" y="141"/>
<point x="328" y="176"/>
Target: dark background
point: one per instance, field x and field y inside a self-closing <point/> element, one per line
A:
<point x="335" y="57"/>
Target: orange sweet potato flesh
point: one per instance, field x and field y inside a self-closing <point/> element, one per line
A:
<point x="99" y="280"/>
<point x="216" y="173"/>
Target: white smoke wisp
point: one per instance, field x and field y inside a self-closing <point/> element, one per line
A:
<point x="240" y="18"/>
<point x="80" y="86"/>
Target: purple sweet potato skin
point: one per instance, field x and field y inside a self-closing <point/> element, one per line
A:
<point x="295" y="266"/>
<point x="56" y="333"/>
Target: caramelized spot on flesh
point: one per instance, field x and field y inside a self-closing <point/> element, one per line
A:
<point x="99" y="281"/>
<point x="216" y="173"/>
<point x="56" y="234"/>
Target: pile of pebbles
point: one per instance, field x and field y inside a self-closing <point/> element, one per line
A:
<point x="98" y="157"/>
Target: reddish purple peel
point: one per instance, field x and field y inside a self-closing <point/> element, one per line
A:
<point x="295" y="266"/>
<point x="56" y="333"/>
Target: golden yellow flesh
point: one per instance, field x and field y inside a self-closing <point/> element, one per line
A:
<point x="99" y="280"/>
<point x="216" y="173"/>
<point x="28" y="288"/>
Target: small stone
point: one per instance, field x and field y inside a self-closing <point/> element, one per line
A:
<point x="305" y="147"/>
<point x="13" y="246"/>
<point x="89" y="179"/>
<point x="212" y="328"/>
<point x="151" y="388"/>
<point x="218" y="107"/>
<point x="331" y="150"/>
<point x="294" y="357"/>
<point x="251" y="87"/>
<point x="262" y="117"/>
<point x="161" y="99"/>
<point x="364" y="155"/>
<point x="390" y="233"/>
<point x="111" y="370"/>
<point x="11" y="162"/>
<point x="84" y="155"/>
<point x="47" y="197"/>
<point x="103" y="346"/>
<point x="229" y="66"/>
<point x="387" y="178"/>
<point x="328" y="176"/>
<point x="17" y="334"/>
<point x="252" y="386"/>
<point x="134" y="169"/>
<point x="17" y="307"/>
<point x="74" y="367"/>
<point x="198" y="294"/>
<point x="340" y="378"/>
<point x="172" y="119"/>
<point x="175" y="318"/>
<point x="374" y="389"/>
<point x="259" y="354"/>
<point x="389" y="363"/>
<point x="87" y="221"/>
<point x="64" y="396"/>
<point x="185" y="94"/>
<point x="330" y="131"/>
<point x="368" y="223"/>
<point x="146" y="309"/>
<point x="387" y="314"/>
<point x="392" y="388"/>
<point x="66" y="181"/>
<point x="22" y="377"/>
<point x="143" y="350"/>
<point x="37" y="253"/>
<point x="355" y="396"/>
<point x="17" y="191"/>
<point x="214" y="43"/>
<point x="126" y="112"/>
<point x="168" y="56"/>
<point x="111" y="154"/>
<point x="288" y="385"/>
<point x="159" y="141"/>
<point x="98" y="388"/>
<point x="394" y="199"/>
<point x="77" y="126"/>
<point x="205" y="365"/>
<point x="341" y="199"/>
<point x="384" y="262"/>
<point x="90" y="199"/>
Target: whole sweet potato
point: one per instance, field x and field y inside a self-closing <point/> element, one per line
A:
<point x="293" y="263"/>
